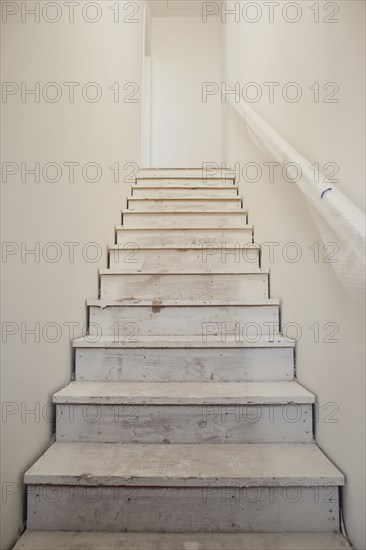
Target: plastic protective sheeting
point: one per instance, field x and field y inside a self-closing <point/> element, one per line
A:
<point x="337" y="218"/>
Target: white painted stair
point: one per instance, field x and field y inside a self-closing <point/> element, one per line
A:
<point x="183" y="487"/>
<point x="142" y="412"/>
<point x="127" y="286"/>
<point x="183" y="318"/>
<point x="185" y="427"/>
<point x="185" y="238"/>
<point x="184" y="204"/>
<point x="194" y="191"/>
<point x="211" y="258"/>
<point x="184" y="218"/>
<point x="220" y="357"/>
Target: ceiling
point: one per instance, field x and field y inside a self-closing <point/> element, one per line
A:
<point x="176" y="8"/>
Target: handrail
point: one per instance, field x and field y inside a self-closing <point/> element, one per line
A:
<point x="337" y="218"/>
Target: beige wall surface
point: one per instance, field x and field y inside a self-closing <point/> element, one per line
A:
<point x="46" y="291"/>
<point x="330" y="350"/>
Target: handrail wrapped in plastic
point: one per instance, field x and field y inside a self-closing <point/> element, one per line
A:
<point x="338" y="219"/>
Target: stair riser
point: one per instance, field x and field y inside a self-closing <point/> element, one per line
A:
<point x="184" y="365"/>
<point x="177" y="205"/>
<point x="227" y="423"/>
<point x="210" y="322"/>
<point x="185" y="287"/>
<point x="187" y="192"/>
<point x="209" y="258"/>
<point x="201" y="509"/>
<point x="185" y="238"/>
<point x="174" y="219"/>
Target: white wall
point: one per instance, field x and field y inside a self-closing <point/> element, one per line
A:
<point x="306" y="52"/>
<point x="81" y="212"/>
<point x="185" y="52"/>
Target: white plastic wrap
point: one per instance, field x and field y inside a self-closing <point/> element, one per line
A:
<point x="337" y="218"/>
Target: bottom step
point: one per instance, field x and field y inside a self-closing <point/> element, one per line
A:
<point x="36" y="540"/>
<point x="184" y="488"/>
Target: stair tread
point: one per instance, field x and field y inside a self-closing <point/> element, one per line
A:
<point x="190" y="178"/>
<point x="190" y="198"/>
<point x="60" y="540"/>
<point x="184" y="465"/>
<point x="191" y="341"/>
<point x="257" y="271"/>
<point x="182" y="182"/>
<point x="183" y="393"/>
<point x="200" y="169"/>
<point x="201" y="187"/>
<point x="241" y="246"/>
<point x="185" y="177"/>
<point x="195" y="175"/>
<point x="184" y="303"/>
<point x="188" y="211"/>
<point x="244" y="227"/>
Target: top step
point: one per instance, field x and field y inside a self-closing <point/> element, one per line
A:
<point x="186" y="173"/>
<point x="184" y="177"/>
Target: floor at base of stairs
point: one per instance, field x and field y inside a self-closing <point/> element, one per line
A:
<point x="35" y="540"/>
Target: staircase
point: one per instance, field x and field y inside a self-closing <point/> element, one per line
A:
<point x="185" y="427"/>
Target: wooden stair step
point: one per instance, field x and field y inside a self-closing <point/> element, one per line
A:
<point x="178" y="237"/>
<point x="186" y="192"/>
<point x="178" y="393"/>
<point x="241" y="465"/>
<point x="184" y="218"/>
